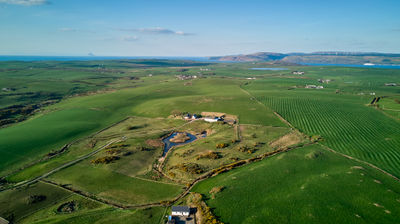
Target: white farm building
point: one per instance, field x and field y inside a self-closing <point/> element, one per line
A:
<point x="180" y="211"/>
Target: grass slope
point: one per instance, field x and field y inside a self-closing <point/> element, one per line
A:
<point x="308" y="185"/>
<point x="77" y="117"/>
<point x="114" y="186"/>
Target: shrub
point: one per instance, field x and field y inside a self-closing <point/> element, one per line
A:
<point x="245" y="148"/>
<point x="32" y="199"/>
<point x="209" y="155"/>
<point x="104" y="160"/>
<point x="222" y="145"/>
<point x="192" y="168"/>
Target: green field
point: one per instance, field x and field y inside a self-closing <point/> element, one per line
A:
<point x="88" y="114"/>
<point x="344" y="120"/>
<point x="308" y="185"/>
<point x="122" y="109"/>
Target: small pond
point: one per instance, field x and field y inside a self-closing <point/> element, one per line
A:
<point x="269" y="69"/>
<point x="168" y="145"/>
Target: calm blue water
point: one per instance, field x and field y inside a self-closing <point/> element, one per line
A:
<point x="199" y="59"/>
<point x="356" y="66"/>
<point x="269" y="69"/>
<point x="168" y="145"/>
<point x="92" y="58"/>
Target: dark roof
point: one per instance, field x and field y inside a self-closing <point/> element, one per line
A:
<point x="180" y="209"/>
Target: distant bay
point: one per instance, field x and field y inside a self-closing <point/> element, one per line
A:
<point x="96" y="58"/>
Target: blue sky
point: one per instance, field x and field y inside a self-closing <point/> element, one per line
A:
<point x="196" y="28"/>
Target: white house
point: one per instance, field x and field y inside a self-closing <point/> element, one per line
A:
<point x="212" y="119"/>
<point x="180" y="211"/>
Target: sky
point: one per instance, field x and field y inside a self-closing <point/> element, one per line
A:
<point x="196" y="28"/>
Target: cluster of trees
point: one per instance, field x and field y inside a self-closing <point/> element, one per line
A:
<point x="209" y="155"/>
<point x="68" y="207"/>
<point x="32" y="199"/>
<point x="16" y="113"/>
<point x="118" y="149"/>
<point x="144" y="148"/>
<point x="247" y="149"/>
<point x="105" y="160"/>
<point x="207" y="217"/>
<point x="192" y="168"/>
<point x="221" y="145"/>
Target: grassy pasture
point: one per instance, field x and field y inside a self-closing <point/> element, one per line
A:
<point x="105" y="215"/>
<point x="15" y="204"/>
<point x="29" y="140"/>
<point x="390" y="106"/>
<point x="196" y="152"/>
<point x="114" y="186"/>
<point x="348" y="127"/>
<point x="343" y="120"/>
<point x="146" y="128"/>
<point x="307" y="185"/>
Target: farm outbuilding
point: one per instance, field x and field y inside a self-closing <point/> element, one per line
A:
<point x="212" y="119"/>
<point x="180" y="211"/>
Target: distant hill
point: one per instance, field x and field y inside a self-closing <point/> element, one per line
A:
<point x="260" y="56"/>
<point x="317" y="57"/>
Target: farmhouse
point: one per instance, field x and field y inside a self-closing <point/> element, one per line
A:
<point x="390" y="84"/>
<point x="180" y="211"/>
<point x="313" y="87"/>
<point x="213" y="119"/>
<point x="186" y="77"/>
<point x="324" y="81"/>
<point x="189" y="116"/>
<point x="298" y="73"/>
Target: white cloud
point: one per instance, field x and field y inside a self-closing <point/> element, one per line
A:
<point x="67" y="29"/>
<point x="25" y="2"/>
<point x="130" y="38"/>
<point x="157" y="30"/>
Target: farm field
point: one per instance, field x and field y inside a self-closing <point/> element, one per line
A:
<point x="114" y="125"/>
<point x="390" y="106"/>
<point x="60" y="206"/>
<point x="205" y="154"/>
<point x="307" y="185"/>
<point x="92" y="113"/>
<point x="344" y="123"/>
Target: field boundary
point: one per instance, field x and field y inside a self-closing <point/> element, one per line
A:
<point x="65" y="147"/>
<point x="360" y="161"/>
<point x="65" y="165"/>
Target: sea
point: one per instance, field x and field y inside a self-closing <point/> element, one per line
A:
<point x="199" y="59"/>
<point x="94" y="58"/>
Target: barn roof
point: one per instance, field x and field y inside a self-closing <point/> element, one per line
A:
<point x="180" y="209"/>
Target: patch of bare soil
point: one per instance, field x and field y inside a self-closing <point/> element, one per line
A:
<point x="357" y="167"/>
<point x="212" y="114"/>
<point x="154" y="142"/>
<point x="286" y="140"/>
<point x="205" y="100"/>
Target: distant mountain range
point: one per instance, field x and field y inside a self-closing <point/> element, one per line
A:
<point x="317" y="58"/>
